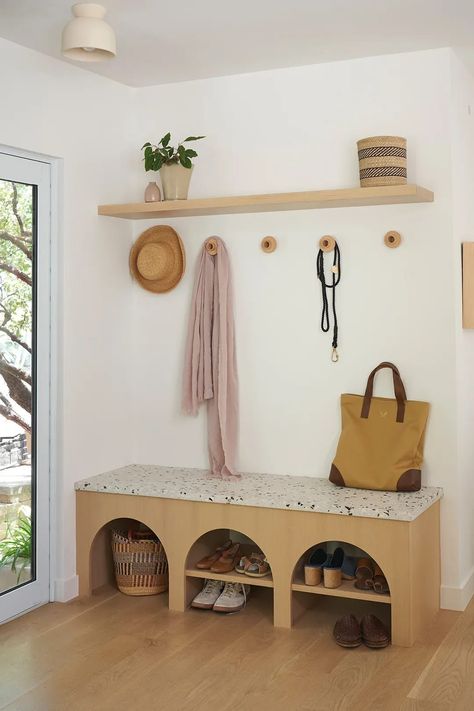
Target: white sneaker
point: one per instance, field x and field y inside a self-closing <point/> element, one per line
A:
<point x="233" y="598"/>
<point x="209" y="594"/>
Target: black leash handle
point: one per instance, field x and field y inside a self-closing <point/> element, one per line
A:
<point x="336" y="278"/>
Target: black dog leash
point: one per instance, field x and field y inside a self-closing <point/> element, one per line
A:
<point x="336" y="278"/>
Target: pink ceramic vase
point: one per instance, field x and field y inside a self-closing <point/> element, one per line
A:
<point x="152" y="192"/>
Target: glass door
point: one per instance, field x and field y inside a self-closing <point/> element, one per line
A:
<point x="25" y="196"/>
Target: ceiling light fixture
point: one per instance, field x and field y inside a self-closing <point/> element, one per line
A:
<point x="87" y="37"/>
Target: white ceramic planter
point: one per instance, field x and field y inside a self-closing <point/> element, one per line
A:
<point x="175" y="181"/>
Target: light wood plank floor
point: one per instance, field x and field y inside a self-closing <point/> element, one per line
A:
<point x="114" y="653"/>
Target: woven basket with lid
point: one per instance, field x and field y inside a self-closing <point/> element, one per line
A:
<point x="141" y="566"/>
<point x="382" y="161"/>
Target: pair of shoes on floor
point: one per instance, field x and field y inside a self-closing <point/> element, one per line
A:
<point x="222" y="597"/>
<point x="223" y="560"/>
<point x="370" y="577"/>
<point x="371" y="631"/>
<point x="254" y="565"/>
<point x="332" y="567"/>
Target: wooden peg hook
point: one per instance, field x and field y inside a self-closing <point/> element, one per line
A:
<point x="393" y="239"/>
<point x="327" y="243"/>
<point x="268" y="244"/>
<point x="211" y="246"/>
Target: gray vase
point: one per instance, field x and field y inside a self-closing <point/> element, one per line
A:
<point x="175" y="181"/>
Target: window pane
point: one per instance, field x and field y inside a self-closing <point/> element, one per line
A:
<point x="16" y="372"/>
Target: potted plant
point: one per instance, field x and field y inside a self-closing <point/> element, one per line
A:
<point x="174" y="164"/>
<point x="15" y="548"/>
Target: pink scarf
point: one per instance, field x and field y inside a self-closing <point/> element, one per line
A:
<point x="210" y="367"/>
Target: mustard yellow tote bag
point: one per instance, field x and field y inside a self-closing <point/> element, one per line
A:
<point x="381" y="442"/>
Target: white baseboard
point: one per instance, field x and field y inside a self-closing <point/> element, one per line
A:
<point x="458" y="598"/>
<point x="66" y="589"/>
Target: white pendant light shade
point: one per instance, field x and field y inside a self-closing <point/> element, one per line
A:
<point x="88" y="38"/>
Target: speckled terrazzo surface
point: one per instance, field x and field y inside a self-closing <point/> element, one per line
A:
<point x="264" y="490"/>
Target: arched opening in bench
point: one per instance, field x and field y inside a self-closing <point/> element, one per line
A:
<point x="142" y="579"/>
<point x="231" y="558"/>
<point x="343" y="567"/>
<point x="339" y="569"/>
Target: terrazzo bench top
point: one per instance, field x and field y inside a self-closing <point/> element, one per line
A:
<point x="296" y="493"/>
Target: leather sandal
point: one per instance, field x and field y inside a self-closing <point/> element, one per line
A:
<point x="364" y="574"/>
<point x="380" y="581"/>
<point x="206" y="562"/>
<point x="245" y="560"/>
<point x="258" y="567"/>
<point x="347" y="632"/>
<point x="227" y="561"/>
<point x="374" y="633"/>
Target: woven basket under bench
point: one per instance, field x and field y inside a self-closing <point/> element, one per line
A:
<point x="140" y="565"/>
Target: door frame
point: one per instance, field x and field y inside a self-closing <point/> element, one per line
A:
<point x="52" y="265"/>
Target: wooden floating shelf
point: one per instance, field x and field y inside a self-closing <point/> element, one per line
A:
<point x="266" y="582"/>
<point x="347" y="589"/>
<point x="311" y="200"/>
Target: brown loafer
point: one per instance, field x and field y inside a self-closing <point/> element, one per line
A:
<point x="227" y="561"/>
<point x="347" y="632"/>
<point x="206" y="562"/>
<point x="374" y="633"/>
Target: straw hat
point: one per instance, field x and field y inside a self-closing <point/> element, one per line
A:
<point x="157" y="259"/>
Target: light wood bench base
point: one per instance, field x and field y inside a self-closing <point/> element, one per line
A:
<point x="407" y="551"/>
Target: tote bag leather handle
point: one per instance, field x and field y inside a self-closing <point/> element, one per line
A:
<point x="398" y="388"/>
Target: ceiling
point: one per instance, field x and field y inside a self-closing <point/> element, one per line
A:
<point x="161" y="41"/>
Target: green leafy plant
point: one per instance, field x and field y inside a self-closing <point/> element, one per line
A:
<point x="17" y="544"/>
<point x="164" y="154"/>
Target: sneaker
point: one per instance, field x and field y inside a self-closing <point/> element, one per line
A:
<point x="209" y="594"/>
<point x="233" y="598"/>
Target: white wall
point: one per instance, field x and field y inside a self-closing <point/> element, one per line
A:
<point x="55" y="109"/>
<point x="296" y="129"/>
<point x="122" y="348"/>
<point x="462" y="117"/>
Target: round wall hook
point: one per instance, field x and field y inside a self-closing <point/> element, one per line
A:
<point x="211" y="246"/>
<point x="393" y="239"/>
<point x="327" y="243"/>
<point x="268" y="244"/>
